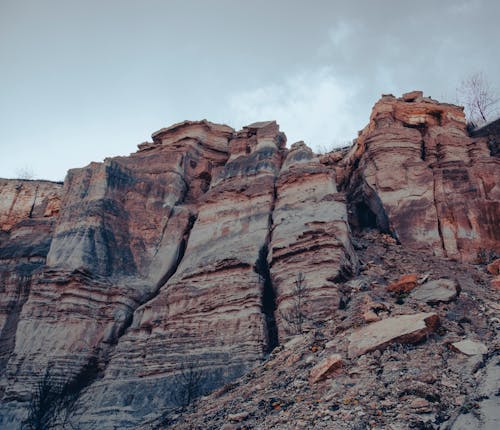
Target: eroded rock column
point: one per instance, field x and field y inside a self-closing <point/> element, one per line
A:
<point x="310" y="251"/>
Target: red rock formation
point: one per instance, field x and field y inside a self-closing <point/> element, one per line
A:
<point x="415" y="172"/>
<point x="209" y="313"/>
<point x="28" y="210"/>
<point x="119" y="237"/>
<point x="207" y="248"/>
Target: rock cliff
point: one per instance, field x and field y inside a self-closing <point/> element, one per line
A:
<point x="208" y="249"/>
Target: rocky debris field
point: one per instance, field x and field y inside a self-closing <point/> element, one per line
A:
<point x="432" y="362"/>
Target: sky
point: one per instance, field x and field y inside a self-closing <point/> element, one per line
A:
<point x="84" y="80"/>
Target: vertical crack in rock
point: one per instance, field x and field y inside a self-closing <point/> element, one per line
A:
<point x="268" y="299"/>
<point x="180" y="255"/>
<point x="30" y="215"/>
<point x="436" y="207"/>
<point x="268" y="293"/>
<point x="422" y="150"/>
<point x="162" y="280"/>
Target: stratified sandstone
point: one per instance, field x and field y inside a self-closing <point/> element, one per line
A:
<point x="207" y="249"/>
<point x="310" y="242"/>
<point x="24" y="200"/>
<point x="209" y="314"/>
<point x="28" y="210"/>
<point x="120" y="235"/>
<point x="416" y="173"/>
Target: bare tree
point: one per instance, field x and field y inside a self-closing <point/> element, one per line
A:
<point x="25" y="172"/>
<point x="188" y="383"/>
<point x="54" y="400"/>
<point x="478" y="98"/>
<point x="51" y="404"/>
<point x="295" y="317"/>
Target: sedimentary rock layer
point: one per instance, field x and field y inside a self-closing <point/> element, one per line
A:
<point x="204" y="250"/>
<point x="28" y="210"/>
<point x="209" y="315"/>
<point x="415" y="172"/>
<point x="119" y="236"/>
<point x="311" y="253"/>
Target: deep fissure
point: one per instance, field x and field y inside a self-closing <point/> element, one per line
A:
<point x="268" y="299"/>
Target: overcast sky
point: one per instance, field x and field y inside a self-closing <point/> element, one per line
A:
<point x="84" y="80"/>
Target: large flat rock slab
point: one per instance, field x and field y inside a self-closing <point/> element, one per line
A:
<point x="435" y="292"/>
<point x="408" y="329"/>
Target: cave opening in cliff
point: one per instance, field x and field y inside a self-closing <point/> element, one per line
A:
<point x="365" y="216"/>
<point x="268" y="298"/>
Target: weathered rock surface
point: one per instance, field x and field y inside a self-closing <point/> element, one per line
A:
<point x="469" y="347"/>
<point x="425" y="385"/>
<point x="327" y="367"/>
<point x="438" y="291"/>
<point x="416" y="173"/>
<point x="402" y="329"/>
<point x="210" y="312"/>
<point x="310" y="240"/>
<point x="28" y="210"/>
<point x="25" y="199"/>
<point x="120" y="235"/>
<point x="484" y="414"/>
<point x="208" y="248"/>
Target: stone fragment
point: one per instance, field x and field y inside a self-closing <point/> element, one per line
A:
<point x="404" y="284"/>
<point x="438" y="291"/>
<point x="421" y="405"/>
<point x="495" y="283"/>
<point x="494" y="267"/>
<point x="326" y="368"/>
<point x="370" y="316"/>
<point x="412" y="96"/>
<point x="470" y="347"/>
<point x="237" y="418"/>
<point x="405" y="329"/>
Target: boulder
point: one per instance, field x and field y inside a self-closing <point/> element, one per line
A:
<point x="404" y="284"/>
<point x="494" y="267"/>
<point x="438" y="291"/>
<point x="404" y="329"/>
<point x="326" y="368"/>
<point x="470" y="347"/>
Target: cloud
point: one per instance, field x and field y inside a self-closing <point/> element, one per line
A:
<point x="315" y="106"/>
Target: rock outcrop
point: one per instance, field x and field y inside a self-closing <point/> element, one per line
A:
<point x="205" y="251"/>
<point x="310" y="251"/>
<point x="209" y="314"/>
<point x="28" y="210"/>
<point x="415" y="172"/>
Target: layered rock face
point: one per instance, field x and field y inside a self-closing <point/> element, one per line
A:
<point x="414" y="172"/>
<point x="208" y="315"/>
<point x="28" y="210"/>
<point x="119" y="236"/>
<point x="204" y="250"/>
<point x="311" y="253"/>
